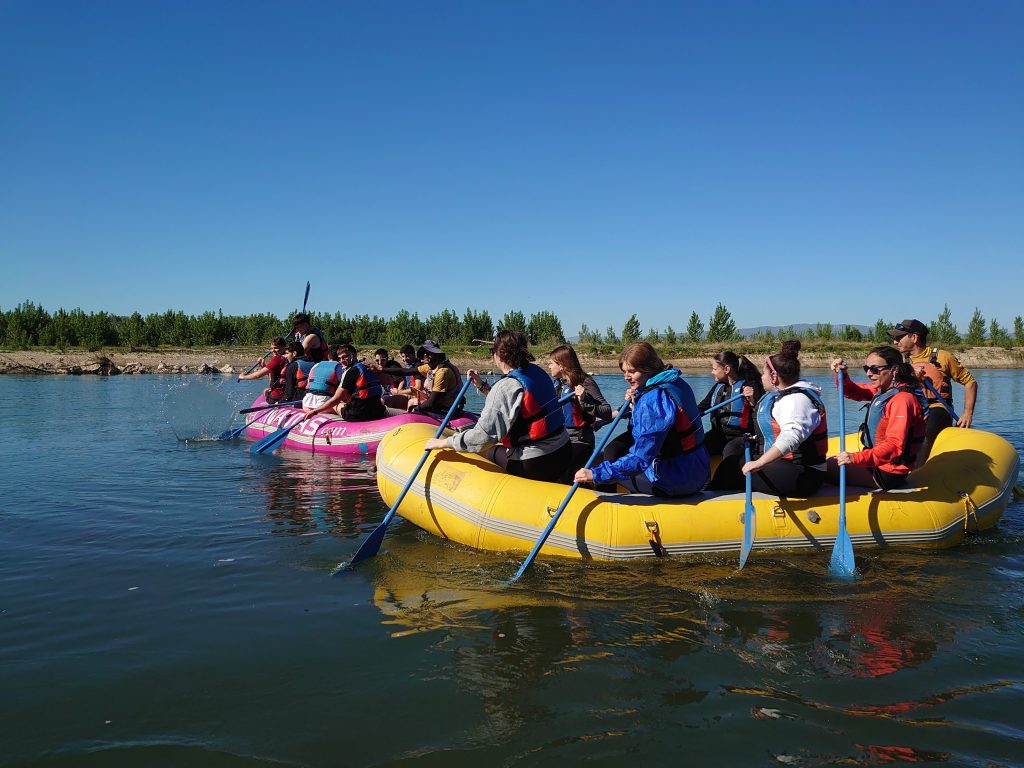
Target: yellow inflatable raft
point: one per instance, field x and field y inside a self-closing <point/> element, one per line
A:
<point x="964" y="487"/>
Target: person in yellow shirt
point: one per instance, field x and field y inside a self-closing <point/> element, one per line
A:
<point x="940" y="368"/>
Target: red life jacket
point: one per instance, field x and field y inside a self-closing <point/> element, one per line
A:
<point x="539" y="415"/>
<point x="942" y="383"/>
<point x="367" y="384"/>
<point x="687" y="432"/>
<point x="572" y="411"/>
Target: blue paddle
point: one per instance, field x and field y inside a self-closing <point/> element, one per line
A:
<point x="231" y="434"/>
<point x="732" y="399"/>
<point x="371" y="544"/>
<point x="561" y="507"/>
<point x="260" y="361"/>
<point x="749" y="515"/>
<point x="271" y="441"/>
<point x="842" y="563"/>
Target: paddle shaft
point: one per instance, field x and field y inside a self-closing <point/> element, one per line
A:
<point x="371" y="544"/>
<point x="732" y="399"/>
<point x="561" y="507"/>
<point x="842" y="562"/>
<point x="938" y="397"/>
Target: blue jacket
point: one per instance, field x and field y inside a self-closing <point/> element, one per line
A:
<point x="654" y="415"/>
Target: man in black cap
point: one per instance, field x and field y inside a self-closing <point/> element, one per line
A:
<point x="314" y="346"/>
<point x="940" y="368"/>
<point x="442" y="380"/>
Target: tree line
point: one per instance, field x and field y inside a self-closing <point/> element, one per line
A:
<point x="30" y="325"/>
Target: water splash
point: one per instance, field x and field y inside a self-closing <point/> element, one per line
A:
<point x="199" y="409"/>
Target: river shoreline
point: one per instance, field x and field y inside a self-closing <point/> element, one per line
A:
<point x="232" y="362"/>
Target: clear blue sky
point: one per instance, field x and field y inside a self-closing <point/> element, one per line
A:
<point x="798" y="161"/>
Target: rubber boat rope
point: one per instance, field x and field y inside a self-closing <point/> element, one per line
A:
<point x="970" y="511"/>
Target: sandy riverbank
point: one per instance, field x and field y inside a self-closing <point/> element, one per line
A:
<point x="232" y="362"/>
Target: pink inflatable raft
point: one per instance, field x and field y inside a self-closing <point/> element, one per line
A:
<point x="332" y="434"/>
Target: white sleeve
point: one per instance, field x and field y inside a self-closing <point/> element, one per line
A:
<point x="797" y="419"/>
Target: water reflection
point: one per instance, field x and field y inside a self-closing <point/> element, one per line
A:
<point x="306" y="494"/>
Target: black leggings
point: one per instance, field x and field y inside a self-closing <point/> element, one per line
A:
<point x="548" y="468"/>
<point x="938" y="419"/>
<point x="780" y="478"/>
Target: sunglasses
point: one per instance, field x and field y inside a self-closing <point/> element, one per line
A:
<point x="769" y="366"/>
<point x="876" y="368"/>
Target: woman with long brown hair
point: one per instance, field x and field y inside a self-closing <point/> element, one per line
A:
<point x="586" y="407"/>
<point x="792" y="434"/>
<point x="521" y="415"/>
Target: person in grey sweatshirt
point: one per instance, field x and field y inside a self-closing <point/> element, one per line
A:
<point x="522" y="424"/>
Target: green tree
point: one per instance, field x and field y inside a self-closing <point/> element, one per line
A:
<point x="670" y="336"/>
<point x="881" y="332"/>
<point x="997" y="334"/>
<point x="653" y="337"/>
<point x="405" y="328"/>
<point x="1018" y="329"/>
<point x="545" y="327"/>
<point x="721" y="326"/>
<point x="824" y="332"/>
<point x="477" y="325"/>
<point x="631" y="331"/>
<point x="444" y="327"/>
<point x="610" y="337"/>
<point x="942" y="330"/>
<point x="514" y="320"/>
<point x="695" y="328"/>
<point x="852" y="333"/>
<point x="588" y="336"/>
<point x="976" y="329"/>
<point x="131" y="332"/>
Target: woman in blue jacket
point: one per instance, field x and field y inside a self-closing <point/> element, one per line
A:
<point x="667" y="456"/>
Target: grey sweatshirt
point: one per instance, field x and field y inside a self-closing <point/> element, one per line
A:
<point x="500" y="410"/>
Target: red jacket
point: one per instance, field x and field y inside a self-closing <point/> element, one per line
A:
<point x="903" y="417"/>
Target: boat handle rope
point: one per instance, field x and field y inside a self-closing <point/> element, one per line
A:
<point x="970" y="510"/>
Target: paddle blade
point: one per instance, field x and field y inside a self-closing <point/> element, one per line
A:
<point x="371" y="544"/>
<point x="749" y="531"/>
<point x="270" y="442"/>
<point x="749" y="515"/>
<point x="842" y="564"/>
<point x="231" y="434"/>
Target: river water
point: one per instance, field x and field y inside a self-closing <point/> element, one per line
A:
<point x="167" y="600"/>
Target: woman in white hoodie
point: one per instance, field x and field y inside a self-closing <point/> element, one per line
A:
<point x="791" y="440"/>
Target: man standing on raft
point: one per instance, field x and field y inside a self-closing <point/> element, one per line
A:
<point x="939" y="368"/>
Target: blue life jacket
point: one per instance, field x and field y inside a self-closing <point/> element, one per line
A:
<point x="323" y="378"/>
<point x="811" y="451"/>
<point x="873" y="418"/>
<point x="539" y="414"/>
<point x="736" y="415"/>
<point x="367" y="384"/>
<point x="572" y="411"/>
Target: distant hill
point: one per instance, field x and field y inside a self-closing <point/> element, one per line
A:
<point x="802" y="327"/>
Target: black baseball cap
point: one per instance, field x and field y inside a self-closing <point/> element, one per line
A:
<point x="904" y="327"/>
